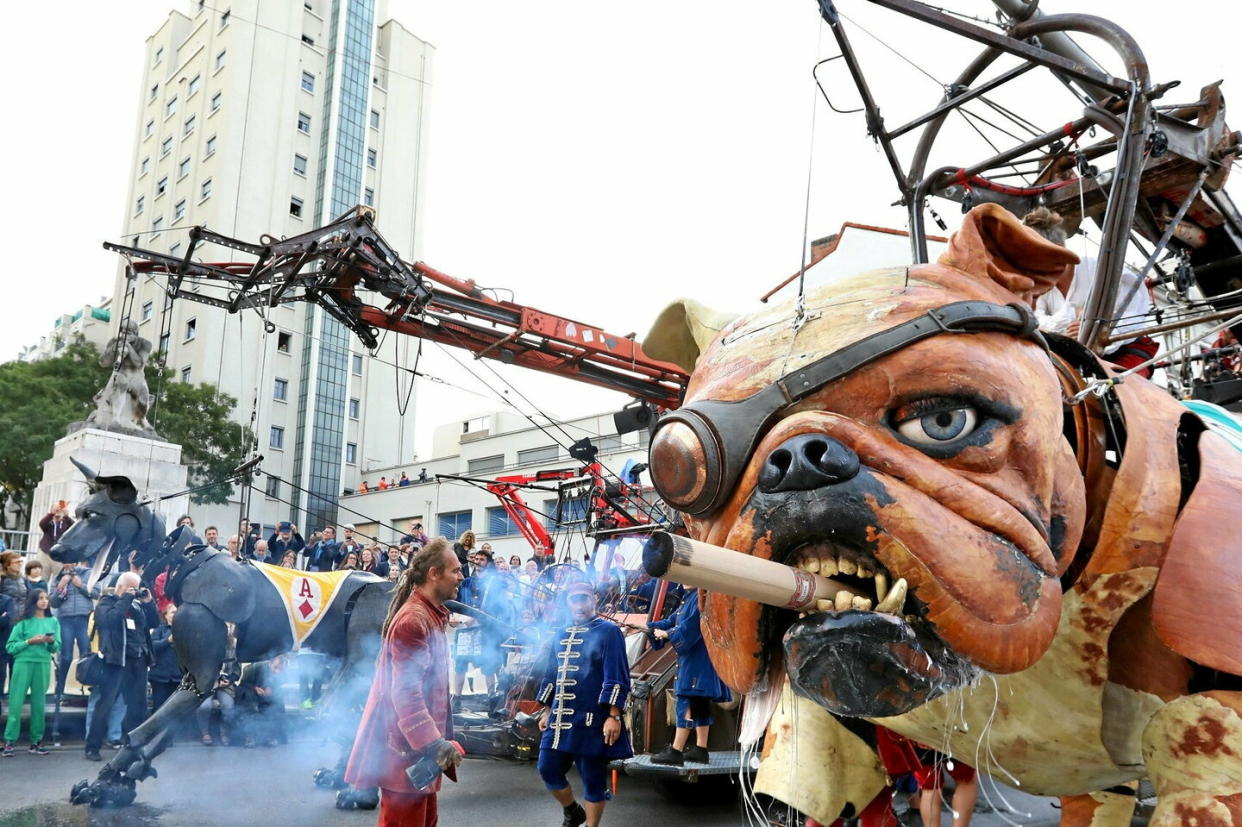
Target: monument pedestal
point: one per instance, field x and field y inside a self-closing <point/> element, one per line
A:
<point x="152" y="465"/>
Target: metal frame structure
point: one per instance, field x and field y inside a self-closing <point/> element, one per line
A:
<point x="1159" y="151"/>
<point x="346" y="265"/>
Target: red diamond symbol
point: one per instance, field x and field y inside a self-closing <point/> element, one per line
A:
<point x="305" y="609"/>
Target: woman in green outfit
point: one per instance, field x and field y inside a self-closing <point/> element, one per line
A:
<point x="32" y="643"/>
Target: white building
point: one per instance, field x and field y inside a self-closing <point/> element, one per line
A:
<point x="486" y="447"/>
<point x="274" y="118"/>
<point x="92" y="322"/>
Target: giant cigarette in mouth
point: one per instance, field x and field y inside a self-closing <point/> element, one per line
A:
<point x="717" y="569"/>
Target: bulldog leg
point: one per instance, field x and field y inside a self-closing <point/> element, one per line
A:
<point x="1193" y="751"/>
<point x="1110" y="808"/>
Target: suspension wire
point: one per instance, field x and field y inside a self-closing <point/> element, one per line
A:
<point x="800" y="312"/>
<point x="647" y="512"/>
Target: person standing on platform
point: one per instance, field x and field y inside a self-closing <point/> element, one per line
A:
<point x="586" y="681"/>
<point x="32" y="643"/>
<point x="697" y="683"/>
<point x="407" y="721"/>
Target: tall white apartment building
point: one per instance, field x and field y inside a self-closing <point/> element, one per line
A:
<point x="274" y="117"/>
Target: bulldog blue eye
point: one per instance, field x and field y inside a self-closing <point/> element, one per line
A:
<point x="938" y="427"/>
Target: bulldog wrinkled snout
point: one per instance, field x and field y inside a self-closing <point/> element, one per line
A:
<point x="806" y="462"/>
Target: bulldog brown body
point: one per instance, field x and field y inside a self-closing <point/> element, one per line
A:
<point x="1080" y="558"/>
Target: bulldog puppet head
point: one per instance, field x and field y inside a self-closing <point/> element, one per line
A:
<point x="905" y="436"/>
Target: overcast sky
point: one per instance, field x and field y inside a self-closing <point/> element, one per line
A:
<point x="599" y="159"/>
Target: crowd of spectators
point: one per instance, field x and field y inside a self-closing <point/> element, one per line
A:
<point x="384" y="483"/>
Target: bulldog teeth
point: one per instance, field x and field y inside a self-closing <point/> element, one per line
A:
<point x="811" y="564"/>
<point x="828" y="566"/>
<point x="863" y="603"/>
<point x="843" y="600"/>
<point x="881" y="586"/>
<point x="865" y="570"/>
<point x="896" y="597"/>
<point x="847" y="566"/>
<point x="824" y="605"/>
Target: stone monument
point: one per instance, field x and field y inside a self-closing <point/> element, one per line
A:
<point x="116" y="440"/>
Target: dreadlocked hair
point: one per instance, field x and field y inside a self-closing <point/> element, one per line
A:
<point x="1047" y="223"/>
<point x="429" y="557"/>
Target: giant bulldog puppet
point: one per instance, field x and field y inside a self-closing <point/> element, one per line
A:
<point x="1057" y="584"/>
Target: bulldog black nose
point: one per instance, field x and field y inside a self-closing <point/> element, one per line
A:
<point x="807" y="461"/>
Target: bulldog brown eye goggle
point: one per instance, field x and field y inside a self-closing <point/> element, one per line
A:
<point x="698" y="451"/>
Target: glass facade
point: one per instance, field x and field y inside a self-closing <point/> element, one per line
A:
<point x="321" y="402"/>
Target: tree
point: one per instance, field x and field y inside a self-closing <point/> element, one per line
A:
<point x="197" y="417"/>
<point x="42" y="398"/>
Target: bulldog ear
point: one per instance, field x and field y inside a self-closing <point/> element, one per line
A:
<point x="683" y="330"/>
<point x="993" y="244"/>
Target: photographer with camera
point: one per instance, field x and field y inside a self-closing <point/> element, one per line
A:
<point x="123" y="621"/>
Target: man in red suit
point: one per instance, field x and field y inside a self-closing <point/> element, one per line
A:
<point x="407" y="714"/>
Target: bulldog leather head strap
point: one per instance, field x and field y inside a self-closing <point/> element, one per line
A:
<point x="698" y="451"/>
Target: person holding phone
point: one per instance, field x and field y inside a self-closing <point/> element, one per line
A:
<point x="32" y="643"/>
<point x="123" y="621"/>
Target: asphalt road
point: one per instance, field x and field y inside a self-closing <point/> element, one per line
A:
<point x="233" y="786"/>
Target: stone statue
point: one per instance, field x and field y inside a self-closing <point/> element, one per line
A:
<point x="121" y="405"/>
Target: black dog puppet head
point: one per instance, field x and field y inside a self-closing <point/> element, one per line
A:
<point x="109" y="519"/>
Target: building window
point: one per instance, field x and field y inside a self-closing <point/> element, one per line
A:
<point x="281" y="390"/>
<point x="295" y="207"/>
<point x="299" y="164"/>
<point x="220" y="60"/>
<point x="165" y="146"/>
<point x="608" y="444"/>
<point x="164" y="337"/>
<point x="375" y="119"/>
<point x="303" y="122"/>
<point x="485" y="464"/>
<point x="571" y="512"/>
<point x="191" y="329"/>
<point x="351" y="453"/>
<point x="145" y="166"/>
<point x="183" y="169"/>
<point x="368" y="197"/>
<point x="179" y="210"/>
<point x="355" y="407"/>
<point x="372" y="157"/>
<point x="224" y="18"/>
<point x="193" y="87"/>
<point x="499" y="523"/>
<point x="308" y="40"/>
<point x="211" y="147"/>
<point x="186" y="374"/>
<point x="453" y="523"/>
<point x="161" y="186"/>
<point x="150" y="129"/>
<point x="282" y="341"/>
<point x="175" y="250"/>
<point x="215" y="101"/>
<point x="205" y="189"/>
<point x="155" y="90"/>
<point x="157" y="225"/>
<point x="188" y="129"/>
<point x="277" y="437"/>
<point x="355" y="364"/>
<point x="170" y="108"/>
<point x="148" y="308"/>
<point x="159" y="55"/>
<point x="548" y="453"/>
<point x="273" y="487"/>
<point x="138" y="206"/>
<point x="308" y="82"/>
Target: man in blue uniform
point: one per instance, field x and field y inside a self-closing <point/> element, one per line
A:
<point x="585" y="684"/>
<point x="697" y="682"/>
